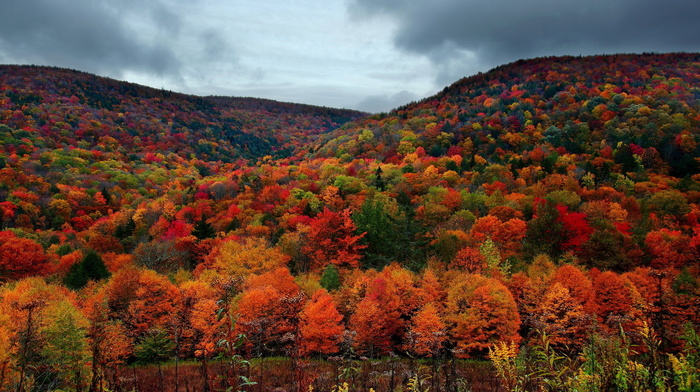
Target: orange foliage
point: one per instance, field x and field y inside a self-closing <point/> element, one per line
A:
<point x="267" y="310"/>
<point x="507" y="235"/>
<point x="480" y="311"/>
<point x="427" y="332"/>
<point x="320" y="327"/>
<point x="561" y="317"/>
<point x="669" y="248"/>
<point x="613" y="298"/>
<point x="469" y="259"/>
<point x="154" y="304"/>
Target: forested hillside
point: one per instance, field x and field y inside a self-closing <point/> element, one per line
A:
<point x="548" y="207"/>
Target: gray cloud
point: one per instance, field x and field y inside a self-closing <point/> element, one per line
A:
<point x="384" y="103"/>
<point x="469" y="35"/>
<point x="93" y="35"/>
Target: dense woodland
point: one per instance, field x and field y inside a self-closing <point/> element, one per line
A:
<point x="543" y="215"/>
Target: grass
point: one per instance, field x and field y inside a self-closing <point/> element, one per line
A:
<point x="286" y="374"/>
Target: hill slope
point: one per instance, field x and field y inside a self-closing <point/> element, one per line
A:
<point x="613" y="107"/>
<point x="553" y="202"/>
<point x="69" y="109"/>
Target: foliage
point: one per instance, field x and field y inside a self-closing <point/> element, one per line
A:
<point x="552" y="202"/>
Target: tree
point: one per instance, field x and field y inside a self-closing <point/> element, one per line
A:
<point x="613" y="299"/>
<point x="668" y="248"/>
<point x="330" y="280"/>
<point x="560" y="317"/>
<point x="65" y="347"/>
<point x="427" y="332"/>
<point x="161" y="255"/>
<point x="203" y="230"/>
<point x="469" y="259"/>
<point x="90" y="268"/>
<point x="20" y="257"/>
<point x="110" y="342"/>
<point x="251" y="256"/>
<point x="480" y="312"/>
<point x="155" y="303"/>
<point x="376" y="320"/>
<point x="507" y="235"/>
<point x="332" y="239"/>
<point x="267" y="311"/>
<point x="381" y="230"/>
<point x="578" y="284"/>
<point x="545" y="232"/>
<point x="320" y="326"/>
<point x="155" y="347"/>
<point x="208" y="330"/>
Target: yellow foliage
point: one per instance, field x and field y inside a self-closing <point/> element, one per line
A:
<point x="250" y="256"/>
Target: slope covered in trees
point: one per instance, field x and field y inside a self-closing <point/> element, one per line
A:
<point x="548" y="206"/>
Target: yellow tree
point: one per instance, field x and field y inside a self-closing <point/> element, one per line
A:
<point x="251" y="256"/>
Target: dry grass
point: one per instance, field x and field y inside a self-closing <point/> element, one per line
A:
<point x="287" y="375"/>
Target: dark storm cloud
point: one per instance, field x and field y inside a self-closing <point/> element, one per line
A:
<point x="492" y="32"/>
<point x="93" y="35"/>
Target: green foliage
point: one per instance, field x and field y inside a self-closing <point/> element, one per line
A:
<point x="65" y="348"/>
<point x="155" y="347"/>
<point x="90" y="268"/>
<point x="125" y="230"/>
<point x="670" y="202"/>
<point x="545" y="232"/>
<point x="382" y="237"/>
<point x="330" y="279"/>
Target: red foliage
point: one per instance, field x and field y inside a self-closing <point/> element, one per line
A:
<point x="20" y="257"/>
<point x="332" y="239"/>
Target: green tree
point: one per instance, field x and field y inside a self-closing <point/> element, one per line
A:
<point x="92" y="267"/>
<point x="203" y="230"/>
<point x="65" y="345"/>
<point x="330" y="280"/>
<point x="381" y="231"/>
<point x="545" y="232"/>
<point x="156" y="347"/>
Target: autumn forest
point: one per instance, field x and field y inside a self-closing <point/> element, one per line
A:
<point x="532" y="228"/>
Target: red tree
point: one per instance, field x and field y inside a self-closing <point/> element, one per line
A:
<point x="332" y="239"/>
<point x="20" y="257"/>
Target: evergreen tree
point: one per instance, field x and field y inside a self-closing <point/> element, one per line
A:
<point x="107" y="196"/>
<point x="203" y="230"/>
<point x="382" y="233"/>
<point x="379" y="182"/>
<point x="92" y="267"/>
<point x="330" y="280"/>
<point x="125" y="230"/>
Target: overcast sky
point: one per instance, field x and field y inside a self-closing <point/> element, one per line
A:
<point x="371" y="55"/>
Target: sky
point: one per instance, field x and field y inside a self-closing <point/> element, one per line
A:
<point x="371" y="55"/>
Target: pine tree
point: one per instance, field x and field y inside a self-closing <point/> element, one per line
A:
<point x="92" y="267"/>
<point x="203" y="230"/>
<point x="330" y="280"/>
